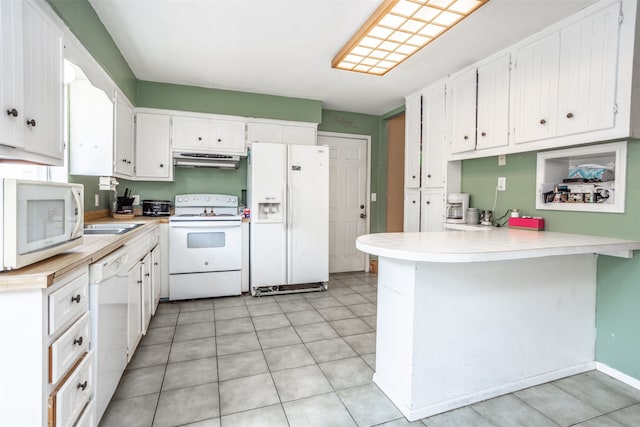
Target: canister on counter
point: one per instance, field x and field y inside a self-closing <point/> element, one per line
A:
<point x="473" y="216"/>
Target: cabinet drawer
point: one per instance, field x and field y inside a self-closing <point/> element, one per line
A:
<point x="88" y="417"/>
<point x="68" y="348"/>
<point x="66" y="404"/>
<point x="68" y="303"/>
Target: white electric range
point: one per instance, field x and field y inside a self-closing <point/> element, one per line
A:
<point x="205" y="247"/>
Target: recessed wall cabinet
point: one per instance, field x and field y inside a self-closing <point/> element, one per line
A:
<point x="153" y="147"/>
<point x="31" y="86"/>
<point x="282" y="132"/>
<point x="565" y="82"/>
<point x="202" y="134"/>
<point x="479" y="115"/>
<point x="47" y="369"/>
<point x="590" y="179"/>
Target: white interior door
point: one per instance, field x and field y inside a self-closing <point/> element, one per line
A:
<point x="348" y="208"/>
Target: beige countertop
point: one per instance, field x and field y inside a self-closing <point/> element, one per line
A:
<point x="42" y="274"/>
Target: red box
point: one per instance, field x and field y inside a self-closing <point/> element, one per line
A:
<point x="527" y="223"/>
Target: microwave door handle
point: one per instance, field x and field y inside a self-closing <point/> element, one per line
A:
<point x="80" y="220"/>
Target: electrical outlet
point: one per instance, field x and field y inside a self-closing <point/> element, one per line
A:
<point x="502" y="159"/>
<point x="136" y="199"/>
<point x="374" y="197"/>
<point x="96" y="197"/>
<point x="502" y="183"/>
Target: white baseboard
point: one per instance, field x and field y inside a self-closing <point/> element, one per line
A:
<point x="614" y="373"/>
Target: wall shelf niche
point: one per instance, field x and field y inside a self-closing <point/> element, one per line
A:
<point x="607" y="163"/>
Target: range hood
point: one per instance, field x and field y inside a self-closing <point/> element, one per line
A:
<point x="205" y="160"/>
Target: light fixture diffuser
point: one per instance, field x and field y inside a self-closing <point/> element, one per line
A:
<point x="397" y="30"/>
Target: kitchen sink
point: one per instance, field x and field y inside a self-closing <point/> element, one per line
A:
<point x="110" y="228"/>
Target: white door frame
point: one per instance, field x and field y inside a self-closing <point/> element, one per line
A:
<point x="367" y="226"/>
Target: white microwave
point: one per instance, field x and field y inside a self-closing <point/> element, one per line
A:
<point x="39" y="220"/>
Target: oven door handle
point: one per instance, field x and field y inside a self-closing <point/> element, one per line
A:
<point x="204" y="224"/>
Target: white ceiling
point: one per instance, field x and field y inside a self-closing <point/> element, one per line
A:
<point x="285" y="47"/>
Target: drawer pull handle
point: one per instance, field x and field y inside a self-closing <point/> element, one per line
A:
<point x="76" y="299"/>
<point x="77" y="341"/>
<point x="82" y="385"/>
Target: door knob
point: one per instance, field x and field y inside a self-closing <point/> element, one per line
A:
<point x="363" y="216"/>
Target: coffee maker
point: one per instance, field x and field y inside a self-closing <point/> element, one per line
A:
<point x="456" y="211"/>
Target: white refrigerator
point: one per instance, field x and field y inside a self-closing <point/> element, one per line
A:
<point x="288" y="194"/>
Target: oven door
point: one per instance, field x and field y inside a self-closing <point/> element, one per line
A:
<point x="201" y="246"/>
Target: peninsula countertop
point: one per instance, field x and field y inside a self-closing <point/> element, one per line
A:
<point x="497" y="245"/>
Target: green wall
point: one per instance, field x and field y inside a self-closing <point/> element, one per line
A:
<point x="83" y="21"/>
<point x="618" y="289"/>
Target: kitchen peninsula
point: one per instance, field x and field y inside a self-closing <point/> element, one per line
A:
<point x="466" y="316"/>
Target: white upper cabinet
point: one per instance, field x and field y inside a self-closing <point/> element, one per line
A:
<point x="535" y="90"/>
<point x="43" y="84"/>
<point x="124" y="137"/>
<point x="463" y="111"/>
<point x="153" y="149"/>
<point x="433" y="136"/>
<point x="565" y="83"/>
<point x="413" y="121"/>
<point x="203" y="134"/>
<point x="493" y="104"/>
<point x="281" y="132"/>
<point x="480" y="106"/>
<point x="31" y="86"/>
<point x="588" y="66"/>
<point x="11" y="84"/>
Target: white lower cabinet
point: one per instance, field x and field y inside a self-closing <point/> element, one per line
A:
<point x="411" y="210"/>
<point x="431" y="210"/>
<point x="156" y="277"/>
<point x="46" y="369"/>
<point x="134" y="304"/>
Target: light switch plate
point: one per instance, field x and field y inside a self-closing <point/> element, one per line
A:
<point x="502" y="159"/>
<point x="374" y="197"/>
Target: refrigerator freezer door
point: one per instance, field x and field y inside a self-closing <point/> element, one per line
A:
<point x="308" y="214"/>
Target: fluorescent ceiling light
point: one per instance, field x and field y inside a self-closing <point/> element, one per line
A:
<point x="397" y="30"/>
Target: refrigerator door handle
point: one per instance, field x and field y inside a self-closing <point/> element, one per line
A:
<point x="289" y="229"/>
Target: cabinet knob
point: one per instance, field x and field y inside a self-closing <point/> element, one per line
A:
<point x="413" y="201"/>
<point x="31" y="122"/>
<point x="78" y="341"/>
<point x="543" y="121"/>
<point x="466" y="137"/>
<point x="363" y="216"/>
<point x="428" y="202"/>
<point x="139" y="281"/>
<point x="161" y="165"/>
<point x="124" y="160"/>
<point x="147" y="275"/>
<point x="361" y="206"/>
<point x="413" y="176"/>
<point x="429" y="175"/>
<point x="155" y="263"/>
<point x="82" y="386"/>
<point x="483" y="134"/>
<point x="128" y="162"/>
<point x="569" y="115"/>
<point x="12" y="112"/>
<point x="219" y="139"/>
<point x="76" y="299"/>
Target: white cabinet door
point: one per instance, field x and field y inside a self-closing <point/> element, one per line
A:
<point x="227" y="137"/>
<point x="493" y="104"/>
<point x="535" y="90"/>
<point x="43" y="84"/>
<point x="411" y="211"/>
<point x="463" y="110"/>
<point x="432" y="210"/>
<point x="264" y="132"/>
<point x="299" y="135"/>
<point x="123" y="141"/>
<point x="156" y="271"/>
<point x="12" y="124"/>
<point x="433" y="137"/>
<point x="147" y="293"/>
<point x="153" y="151"/>
<point x="588" y="70"/>
<point x="191" y="133"/>
<point x="134" y="310"/>
<point x="412" y="120"/>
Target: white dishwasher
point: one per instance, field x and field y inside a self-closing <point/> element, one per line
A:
<point x="108" y="301"/>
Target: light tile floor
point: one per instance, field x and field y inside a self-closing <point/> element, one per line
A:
<point x="305" y="360"/>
